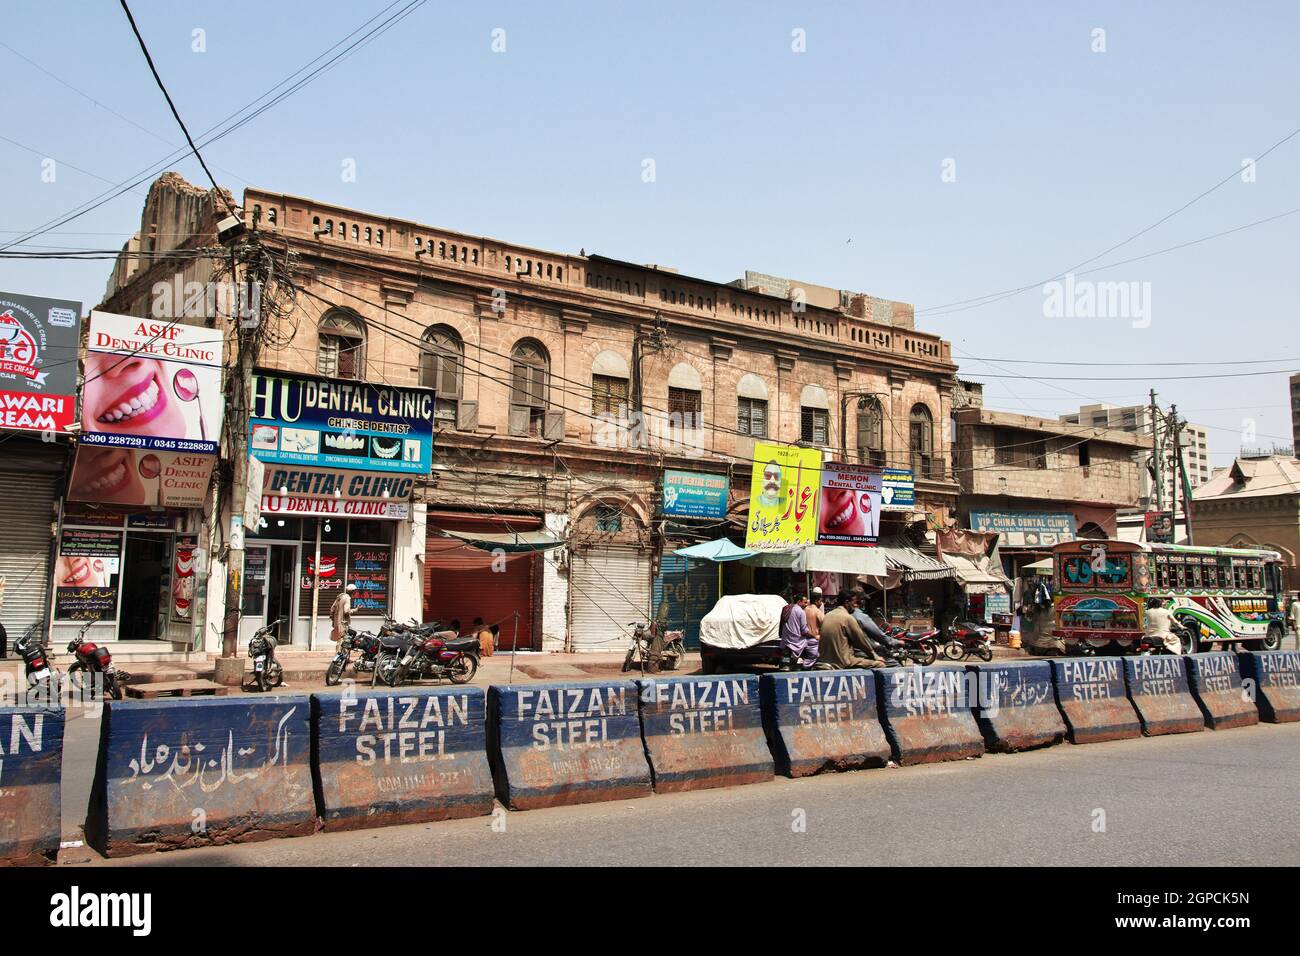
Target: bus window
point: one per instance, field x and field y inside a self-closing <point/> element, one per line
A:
<point x="1179" y="566"/>
<point x="1256" y="576"/>
<point x="1225" y="574"/>
<point x="1162" y="572"/>
<point x="1196" y="574"/>
<point x="1239" y="582"/>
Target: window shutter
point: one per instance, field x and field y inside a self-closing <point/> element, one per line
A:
<point x="519" y="419"/>
<point x="553" y="427"/>
<point x="519" y="385"/>
<point x="758" y="418"/>
<point x="467" y="416"/>
<point x="743" y="417"/>
<point x="448" y="375"/>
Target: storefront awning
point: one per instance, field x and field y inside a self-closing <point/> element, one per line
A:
<point x="720" y="550"/>
<point x="977" y="577"/>
<point x="518" y="542"/>
<point x="913" y="564"/>
<point x="824" y="557"/>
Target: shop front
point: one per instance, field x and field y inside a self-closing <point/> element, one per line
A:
<point x="32" y="474"/>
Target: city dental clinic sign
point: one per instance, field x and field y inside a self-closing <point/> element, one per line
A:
<point x="331" y="493"/>
<point x="360" y="426"/>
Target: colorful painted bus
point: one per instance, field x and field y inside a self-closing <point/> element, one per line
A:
<point x="1218" y="595"/>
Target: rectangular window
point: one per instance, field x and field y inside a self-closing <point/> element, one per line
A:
<point x="684" y="408"/>
<point x="1085" y="455"/>
<point x="608" y="396"/>
<point x="814" y="426"/>
<point x="751" y="417"/>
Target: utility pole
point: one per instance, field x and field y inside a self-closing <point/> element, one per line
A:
<point x="1180" y="473"/>
<point x="1173" y="489"/>
<point x="1155" y="452"/>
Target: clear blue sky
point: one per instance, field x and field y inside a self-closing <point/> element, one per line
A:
<point x="824" y="165"/>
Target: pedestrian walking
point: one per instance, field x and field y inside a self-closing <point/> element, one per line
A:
<point x="341" y="614"/>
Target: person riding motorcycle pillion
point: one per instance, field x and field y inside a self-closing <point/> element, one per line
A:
<point x="843" y="642"/>
<point x="1158" y="624"/>
<point x="881" y="642"/>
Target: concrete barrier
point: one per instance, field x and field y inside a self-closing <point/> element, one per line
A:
<point x="31" y="760"/>
<point x="193" y="772"/>
<point x="1157" y="687"/>
<point x="704" y="732"/>
<point x="1093" y="696"/>
<point x="822" y="720"/>
<point x="406" y="755"/>
<point x="927" y="714"/>
<point x="554" y="744"/>
<point x="1015" y="706"/>
<point x="1276" y="676"/>
<point x="1215" y="680"/>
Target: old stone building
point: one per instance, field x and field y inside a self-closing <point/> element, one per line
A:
<point x="1253" y="503"/>
<point x="564" y="386"/>
<point x="1038" y="482"/>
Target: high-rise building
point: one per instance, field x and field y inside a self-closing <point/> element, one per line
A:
<point x="1137" y="418"/>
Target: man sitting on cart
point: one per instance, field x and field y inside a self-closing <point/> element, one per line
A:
<point x="795" y="635"/>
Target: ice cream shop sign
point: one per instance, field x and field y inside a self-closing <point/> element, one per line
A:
<point x="336" y="493"/>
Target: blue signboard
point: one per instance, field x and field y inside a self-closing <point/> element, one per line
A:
<point x="361" y="426"/>
<point x="692" y="494"/>
<point x="897" y="490"/>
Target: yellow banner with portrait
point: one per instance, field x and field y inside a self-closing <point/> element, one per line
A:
<point x="783" y="497"/>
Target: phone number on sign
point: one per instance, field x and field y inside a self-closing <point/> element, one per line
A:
<point x="149" y="442"/>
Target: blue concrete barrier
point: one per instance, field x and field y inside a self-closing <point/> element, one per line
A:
<point x="407" y="755"/>
<point x="1093" y="696"/>
<point x="1215" y="680"/>
<point x="822" y="720"/>
<point x="927" y="714"/>
<point x="31" y="760"/>
<point x="192" y="772"/>
<point x="1015" y="705"/>
<point x="1276" y="677"/>
<point x="704" y="732"/>
<point x="554" y="744"/>
<point x="1158" y="689"/>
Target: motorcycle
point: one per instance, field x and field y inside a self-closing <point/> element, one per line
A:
<point x="669" y="653"/>
<point x="394" y="640"/>
<point x="267" y="672"/>
<point x="42" y="676"/>
<point x="440" y="654"/>
<point x="1148" y="645"/>
<point x="966" y="638"/>
<point x="366" y="644"/>
<point x="919" y="646"/>
<point x="91" y="659"/>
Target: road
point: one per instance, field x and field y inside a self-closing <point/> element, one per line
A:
<point x="1223" y="798"/>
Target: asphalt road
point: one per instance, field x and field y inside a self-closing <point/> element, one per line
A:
<point x="1213" y="798"/>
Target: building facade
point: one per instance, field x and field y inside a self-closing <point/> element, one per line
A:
<point x="562" y="387"/>
<point x="1194" y="441"/>
<point x="1295" y="411"/>
<point x="1038" y="482"/>
<point x="1253" y="503"/>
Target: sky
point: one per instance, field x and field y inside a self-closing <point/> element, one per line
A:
<point x="933" y="153"/>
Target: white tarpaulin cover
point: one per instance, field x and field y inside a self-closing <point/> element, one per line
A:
<point x="739" y="621"/>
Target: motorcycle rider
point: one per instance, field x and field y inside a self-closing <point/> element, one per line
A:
<point x="1157" y="623"/>
<point x="844" y="644"/>
<point x="881" y="642"/>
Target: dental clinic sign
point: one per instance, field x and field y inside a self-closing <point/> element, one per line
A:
<point x="362" y="426"/>
<point x="38" y="362"/>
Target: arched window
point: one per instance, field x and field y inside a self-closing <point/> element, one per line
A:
<point x="921" y="438"/>
<point x="441" y="362"/>
<point x="871" y="431"/>
<point x="341" y="346"/>
<point x="609" y="385"/>
<point x="751" y="406"/>
<point x="529" y="388"/>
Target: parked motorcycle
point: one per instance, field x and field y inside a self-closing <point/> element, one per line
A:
<point x="92" y="660"/>
<point x="267" y="672"/>
<point x="394" y="640"/>
<point x="966" y="638"/>
<point x="365" y="645"/>
<point x="437" y="654"/>
<point x="919" y="645"/>
<point x="656" y="653"/>
<point x="42" y="676"/>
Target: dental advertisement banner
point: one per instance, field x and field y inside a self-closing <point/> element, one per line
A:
<point x="329" y="492"/>
<point x="300" y="420"/>
<point x="897" y="490"/>
<point x="690" y="494"/>
<point x="38" y="362"/>
<point x="151" y="385"/>
<point x="850" y="505"/>
<point x="131" y="476"/>
<point x="783" y="497"/>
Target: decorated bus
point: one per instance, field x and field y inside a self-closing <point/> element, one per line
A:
<point x="1217" y="595"/>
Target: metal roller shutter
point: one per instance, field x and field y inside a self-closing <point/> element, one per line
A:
<point x="460" y="582"/>
<point x="26" y="515"/>
<point x="611" y="587"/>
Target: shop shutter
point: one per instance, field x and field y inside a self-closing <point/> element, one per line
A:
<point x="683" y="593"/>
<point x="26" y="514"/>
<point x="611" y="588"/>
<point x="461" y="583"/>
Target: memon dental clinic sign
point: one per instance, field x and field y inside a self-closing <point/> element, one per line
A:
<point x="39" y="339"/>
<point x="151" y="412"/>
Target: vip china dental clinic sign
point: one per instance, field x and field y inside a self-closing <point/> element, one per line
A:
<point x="849" y="513"/>
<point x="39" y="339"/>
<point x="783" y="497"/>
<point x="361" y="426"/>
<point x="151" y="412"/>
